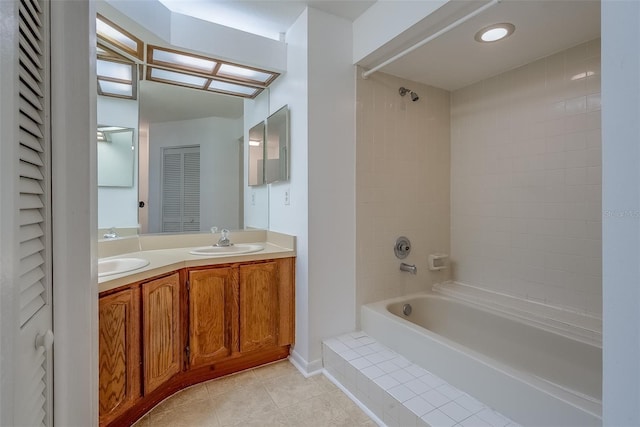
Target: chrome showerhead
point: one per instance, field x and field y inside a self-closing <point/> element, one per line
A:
<point x="403" y="91"/>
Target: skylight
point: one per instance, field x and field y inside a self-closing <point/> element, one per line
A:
<point x="111" y="33"/>
<point x="119" y="54"/>
<point x="121" y="90"/>
<point x="233" y="71"/>
<point x="114" y="70"/>
<point x="117" y="76"/>
<point x="224" y="87"/>
<point x="181" y="79"/>
<point x="179" y="60"/>
<point x="205" y="73"/>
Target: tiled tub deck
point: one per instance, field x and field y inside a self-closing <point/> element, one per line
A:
<point x="399" y="392"/>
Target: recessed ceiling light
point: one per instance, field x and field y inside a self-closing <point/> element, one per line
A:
<point x="494" y="32"/>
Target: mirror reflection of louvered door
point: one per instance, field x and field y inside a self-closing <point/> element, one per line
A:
<point x="181" y="189"/>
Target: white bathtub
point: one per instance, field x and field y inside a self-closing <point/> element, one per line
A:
<point x="532" y="375"/>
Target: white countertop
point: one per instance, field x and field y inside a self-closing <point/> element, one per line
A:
<point x="166" y="260"/>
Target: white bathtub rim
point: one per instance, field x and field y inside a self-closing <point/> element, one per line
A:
<point x="579" y="401"/>
<point x="536" y="312"/>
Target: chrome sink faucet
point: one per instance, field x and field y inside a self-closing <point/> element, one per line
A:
<point x="112" y="234"/>
<point x="224" y="239"/>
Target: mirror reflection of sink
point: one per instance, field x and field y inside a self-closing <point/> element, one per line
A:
<point x="107" y="267"/>
<point x="238" y="248"/>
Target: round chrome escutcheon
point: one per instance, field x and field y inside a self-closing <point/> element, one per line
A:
<point x="406" y="309"/>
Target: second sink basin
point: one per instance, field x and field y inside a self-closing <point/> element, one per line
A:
<point x="238" y="248"/>
<point x="107" y="267"/>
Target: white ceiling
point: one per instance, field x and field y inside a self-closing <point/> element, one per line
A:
<point x="263" y="17"/>
<point x="451" y="61"/>
<point x="543" y="27"/>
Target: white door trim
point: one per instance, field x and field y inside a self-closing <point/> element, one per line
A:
<point x="75" y="284"/>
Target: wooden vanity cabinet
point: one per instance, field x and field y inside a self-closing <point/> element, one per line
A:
<point x="266" y="305"/>
<point x="161" y="343"/>
<point x="213" y="315"/>
<point x="238" y="309"/>
<point x="119" y="353"/>
<point x="223" y="319"/>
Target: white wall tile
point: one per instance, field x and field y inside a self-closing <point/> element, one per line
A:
<point x="548" y="196"/>
<point x="402" y="184"/>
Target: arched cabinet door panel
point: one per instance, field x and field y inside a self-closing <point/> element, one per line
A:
<point x="119" y="353"/>
<point x="267" y="304"/>
<point x="160" y="330"/>
<point x="212" y="315"/>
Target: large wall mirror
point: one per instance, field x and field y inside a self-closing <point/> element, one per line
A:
<point x="189" y="163"/>
<point x="193" y="154"/>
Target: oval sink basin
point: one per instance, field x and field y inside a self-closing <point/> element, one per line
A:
<point x="111" y="266"/>
<point x="238" y="248"/>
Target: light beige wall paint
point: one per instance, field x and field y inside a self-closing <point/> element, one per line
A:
<point x="526" y="181"/>
<point x="402" y="184"/>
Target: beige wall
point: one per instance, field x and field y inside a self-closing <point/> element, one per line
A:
<point x="526" y="181"/>
<point x="402" y="184"/>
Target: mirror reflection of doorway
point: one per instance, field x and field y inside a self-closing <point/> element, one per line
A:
<point x="180" y="189"/>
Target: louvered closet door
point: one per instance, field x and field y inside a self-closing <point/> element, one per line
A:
<point x="181" y="189"/>
<point x="33" y="400"/>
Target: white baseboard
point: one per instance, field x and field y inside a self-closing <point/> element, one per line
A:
<point x="308" y="369"/>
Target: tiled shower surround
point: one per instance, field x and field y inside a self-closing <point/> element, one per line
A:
<point x="504" y="175"/>
<point x="402" y="184"/>
<point x="526" y="181"/>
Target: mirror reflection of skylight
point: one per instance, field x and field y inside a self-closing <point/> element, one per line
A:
<point x="180" y="78"/>
<point x="111" y="128"/>
<point x="113" y="88"/>
<point x="113" y="70"/>
<point x="216" y="85"/>
<point x="243" y="73"/>
<point x="106" y="30"/>
<point x="193" y="62"/>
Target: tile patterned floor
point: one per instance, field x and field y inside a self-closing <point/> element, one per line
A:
<point x="272" y="395"/>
